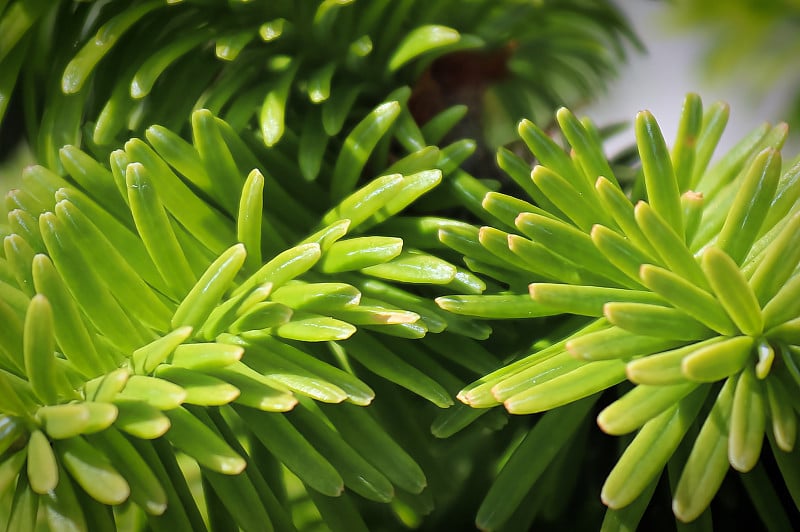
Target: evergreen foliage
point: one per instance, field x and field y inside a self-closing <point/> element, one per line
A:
<point x="263" y="278"/>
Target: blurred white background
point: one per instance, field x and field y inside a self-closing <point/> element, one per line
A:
<point x="672" y="66"/>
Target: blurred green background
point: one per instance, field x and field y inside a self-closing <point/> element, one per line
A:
<point x="742" y="52"/>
